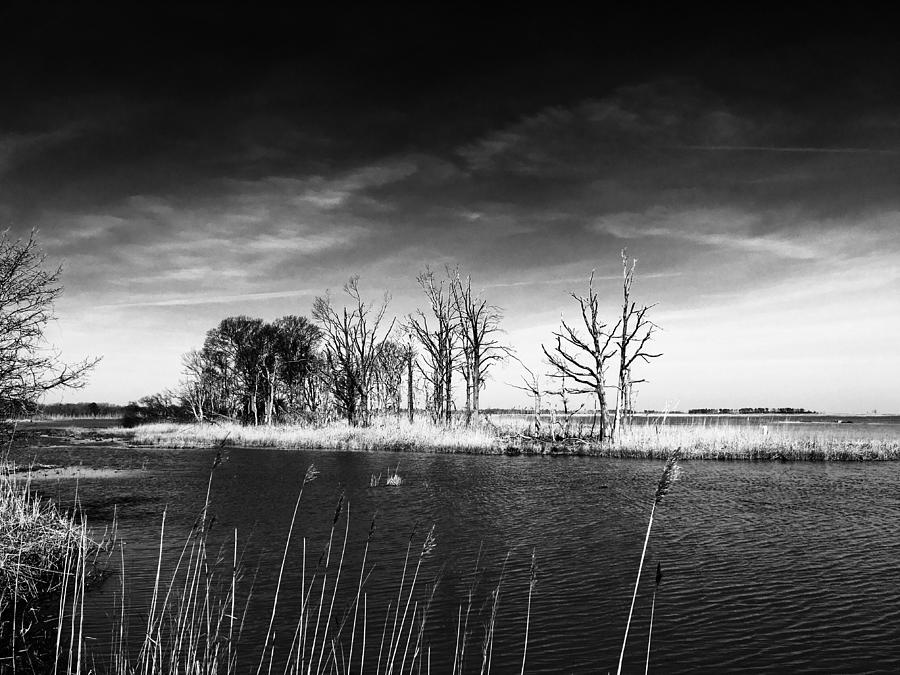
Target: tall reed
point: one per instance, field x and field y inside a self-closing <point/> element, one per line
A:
<point x="669" y="476"/>
<point x="652" y="613"/>
<point x="196" y="619"/>
<point x="47" y="563"/>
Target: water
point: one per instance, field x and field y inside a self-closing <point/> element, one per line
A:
<point x="767" y="566"/>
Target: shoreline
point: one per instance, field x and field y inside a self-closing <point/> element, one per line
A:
<point x="721" y="442"/>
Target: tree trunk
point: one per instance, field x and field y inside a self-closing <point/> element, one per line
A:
<point x="469" y="399"/>
<point x="448" y="401"/>
<point x="270" y="413"/>
<point x="604" y="413"/>
<point x="409" y="389"/>
<point x="476" y="386"/>
<point x="364" y="408"/>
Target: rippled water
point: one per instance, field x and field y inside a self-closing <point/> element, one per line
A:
<point x="767" y="566"/>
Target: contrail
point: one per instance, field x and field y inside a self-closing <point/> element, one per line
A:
<point x="796" y="149"/>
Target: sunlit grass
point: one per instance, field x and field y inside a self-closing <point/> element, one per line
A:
<point x="516" y="434"/>
<point x="734" y="442"/>
<point x="385" y="434"/>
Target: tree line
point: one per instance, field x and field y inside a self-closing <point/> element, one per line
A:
<point x="348" y="360"/>
<point x="750" y="411"/>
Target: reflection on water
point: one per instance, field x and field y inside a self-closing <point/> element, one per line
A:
<point x="768" y="566"/>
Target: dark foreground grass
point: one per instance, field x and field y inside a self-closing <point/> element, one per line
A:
<point x="47" y="561"/>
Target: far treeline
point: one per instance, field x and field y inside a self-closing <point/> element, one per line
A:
<point x="750" y="411"/>
<point x="349" y="360"/>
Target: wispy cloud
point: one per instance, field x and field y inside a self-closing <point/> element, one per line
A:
<point x="721" y="228"/>
<point x="188" y="301"/>
<point x="579" y="280"/>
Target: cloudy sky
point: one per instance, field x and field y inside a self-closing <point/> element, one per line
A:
<point x="186" y="165"/>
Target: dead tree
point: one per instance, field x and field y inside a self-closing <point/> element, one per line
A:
<point x="479" y="326"/>
<point x="634" y="332"/>
<point x="532" y="385"/>
<point x="352" y="347"/>
<point x="439" y="339"/>
<point x="584" y="360"/>
<point x="409" y="353"/>
<point x="389" y="375"/>
<point x="563" y="393"/>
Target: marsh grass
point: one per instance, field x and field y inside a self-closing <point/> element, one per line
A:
<point x="394" y="479"/>
<point x="515" y="434"/>
<point x="47" y="563"/>
<point x="384" y="434"/>
<point x="701" y="441"/>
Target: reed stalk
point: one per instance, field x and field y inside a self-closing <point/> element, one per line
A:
<point x="669" y="475"/>
<point x="652" y="612"/>
<point x="532" y="581"/>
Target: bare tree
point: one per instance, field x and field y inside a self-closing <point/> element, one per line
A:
<point x="439" y="342"/>
<point x="532" y="385"/>
<point x="634" y="332"/>
<point x="269" y="365"/>
<point x="567" y="413"/>
<point x="479" y="326"/>
<point x="29" y="366"/>
<point x="583" y="359"/>
<point x="197" y="383"/>
<point x="352" y="345"/>
<point x="389" y="372"/>
<point x="409" y="352"/>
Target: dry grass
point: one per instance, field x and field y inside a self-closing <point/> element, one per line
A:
<point x="516" y="434"/>
<point x="386" y="434"/>
<point x="723" y="442"/>
<point x="47" y="561"/>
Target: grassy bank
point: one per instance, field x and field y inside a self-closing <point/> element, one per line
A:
<point x="47" y="560"/>
<point x="516" y="435"/>
<point x="390" y="434"/>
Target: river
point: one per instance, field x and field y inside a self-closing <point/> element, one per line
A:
<point x="779" y="566"/>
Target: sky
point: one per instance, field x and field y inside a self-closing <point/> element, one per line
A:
<point x="193" y="163"/>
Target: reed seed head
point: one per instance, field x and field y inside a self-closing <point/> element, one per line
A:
<point x="430" y="542"/>
<point x="669" y="475"/>
<point x="338" y="509"/>
<point x="534" y="570"/>
<point x="311" y="474"/>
